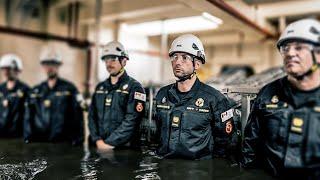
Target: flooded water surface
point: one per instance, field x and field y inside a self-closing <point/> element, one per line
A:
<point x="61" y="161"/>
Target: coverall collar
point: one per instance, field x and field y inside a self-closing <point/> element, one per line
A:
<point x="288" y="92"/>
<point x="124" y="77"/>
<point x="173" y="92"/>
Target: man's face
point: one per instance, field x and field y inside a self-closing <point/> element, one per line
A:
<point x="51" y="70"/>
<point x="182" y="64"/>
<point x="297" y="57"/>
<point x="113" y="64"/>
<point x="9" y="73"/>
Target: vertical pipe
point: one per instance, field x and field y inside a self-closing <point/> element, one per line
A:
<point x="163" y="49"/>
<point x="98" y="10"/>
<point x="44" y="16"/>
<point x="245" y="110"/>
<point x="116" y="30"/>
<point x="282" y="23"/>
<point x="88" y="73"/>
<point x="69" y="19"/>
<point x="76" y="18"/>
<point x="150" y="112"/>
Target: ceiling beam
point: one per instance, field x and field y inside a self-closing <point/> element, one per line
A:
<point x="137" y="13"/>
<point x="240" y="16"/>
<point x="289" y="8"/>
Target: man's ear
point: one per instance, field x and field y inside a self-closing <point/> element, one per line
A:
<point x="124" y="62"/>
<point x="317" y="54"/>
<point x="197" y="64"/>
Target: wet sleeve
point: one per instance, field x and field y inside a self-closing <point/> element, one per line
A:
<point x="158" y="123"/>
<point x="77" y="132"/>
<point x="28" y="117"/>
<point x="135" y="110"/>
<point x="93" y="120"/>
<point x="251" y="138"/>
<point x="223" y="128"/>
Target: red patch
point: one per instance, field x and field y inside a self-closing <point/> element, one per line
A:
<point x="229" y="127"/>
<point x="139" y="107"/>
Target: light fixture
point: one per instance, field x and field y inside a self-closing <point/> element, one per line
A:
<point x="212" y="18"/>
<point x="177" y="25"/>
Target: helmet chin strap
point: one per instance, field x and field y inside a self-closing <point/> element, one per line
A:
<point x="120" y="71"/>
<point x="12" y="76"/>
<point x="313" y="68"/>
<point x="188" y="76"/>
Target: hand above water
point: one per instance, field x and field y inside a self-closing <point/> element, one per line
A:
<point x="101" y="145"/>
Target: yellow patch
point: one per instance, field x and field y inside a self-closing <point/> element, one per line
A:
<point x="5" y="103"/>
<point x="175" y="121"/>
<point x="298" y="122"/>
<point x="47" y="103"/>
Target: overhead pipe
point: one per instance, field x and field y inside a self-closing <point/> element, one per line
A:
<point x="45" y="36"/>
<point x="238" y="15"/>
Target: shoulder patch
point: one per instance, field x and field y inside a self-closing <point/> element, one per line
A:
<point x="227" y="115"/>
<point x="140" y="96"/>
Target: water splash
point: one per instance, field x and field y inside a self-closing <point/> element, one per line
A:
<point x="23" y="171"/>
<point x="89" y="168"/>
<point x="149" y="176"/>
<point x="148" y="168"/>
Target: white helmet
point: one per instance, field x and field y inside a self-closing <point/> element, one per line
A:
<point x="114" y="48"/>
<point x="50" y="55"/>
<point x="11" y="61"/>
<point x="188" y="43"/>
<point x="306" y="30"/>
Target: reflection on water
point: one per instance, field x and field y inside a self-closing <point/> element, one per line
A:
<point x="61" y="161"/>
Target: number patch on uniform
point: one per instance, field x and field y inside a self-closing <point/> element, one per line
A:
<point x="140" y="96"/>
<point x="227" y="115"/>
